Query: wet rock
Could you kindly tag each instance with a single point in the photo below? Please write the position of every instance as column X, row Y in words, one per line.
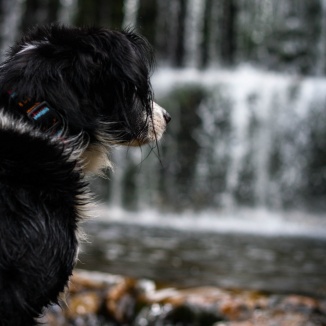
column 121, row 300
column 168, row 314
column 300, row 303
column 106, row 300
column 84, row 303
column 83, row 280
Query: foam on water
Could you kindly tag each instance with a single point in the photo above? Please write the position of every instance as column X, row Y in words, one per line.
column 246, row 221
column 246, row 76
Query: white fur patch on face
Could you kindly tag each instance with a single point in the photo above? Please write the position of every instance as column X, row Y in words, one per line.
column 158, row 123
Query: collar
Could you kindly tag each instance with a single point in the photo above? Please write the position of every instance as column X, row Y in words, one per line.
column 41, row 114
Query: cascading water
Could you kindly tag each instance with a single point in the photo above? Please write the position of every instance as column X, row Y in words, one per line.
column 130, row 13
column 253, row 142
column 242, row 136
column 321, row 63
column 12, row 12
column 193, row 32
column 67, row 10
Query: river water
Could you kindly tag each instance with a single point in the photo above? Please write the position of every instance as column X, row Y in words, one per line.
column 241, row 252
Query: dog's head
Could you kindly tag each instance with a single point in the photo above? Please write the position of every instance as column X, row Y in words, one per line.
column 96, row 80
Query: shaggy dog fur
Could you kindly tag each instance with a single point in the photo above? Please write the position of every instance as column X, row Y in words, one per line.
column 67, row 95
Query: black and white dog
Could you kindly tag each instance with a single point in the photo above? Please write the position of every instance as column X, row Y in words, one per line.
column 67, row 96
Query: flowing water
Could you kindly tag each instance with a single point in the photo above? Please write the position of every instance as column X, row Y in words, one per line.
column 239, row 138
column 185, row 252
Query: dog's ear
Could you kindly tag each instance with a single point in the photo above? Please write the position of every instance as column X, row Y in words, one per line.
column 39, row 67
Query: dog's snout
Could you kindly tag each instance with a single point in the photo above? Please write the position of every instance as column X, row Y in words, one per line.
column 159, row 122
column 166, row 116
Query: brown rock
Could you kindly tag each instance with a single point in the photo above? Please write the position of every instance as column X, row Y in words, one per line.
column 121, row 300
column 297, row 302
column 82, row 280
column 83, row 304
column 128, row 300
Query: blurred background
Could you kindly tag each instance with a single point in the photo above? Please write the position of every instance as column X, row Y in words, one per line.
column 235, row 194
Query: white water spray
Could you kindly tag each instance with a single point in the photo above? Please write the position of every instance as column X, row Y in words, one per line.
column 193, row 32
column 12, row 13
column 130, row 13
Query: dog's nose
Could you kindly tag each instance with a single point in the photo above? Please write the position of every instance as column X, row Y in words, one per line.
column 167, row 117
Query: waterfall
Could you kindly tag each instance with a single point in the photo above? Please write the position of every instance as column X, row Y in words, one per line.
column 130, row 13
column 193, row 32
column 213, row 57
column 67, row 10
column 255, row 139
column 321, row 64
column 11, row 17
column 166, row 26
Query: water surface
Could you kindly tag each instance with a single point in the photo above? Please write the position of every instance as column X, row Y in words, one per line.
column 172, row 256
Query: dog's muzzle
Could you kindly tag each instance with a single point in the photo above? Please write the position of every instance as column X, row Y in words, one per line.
column 160, row 120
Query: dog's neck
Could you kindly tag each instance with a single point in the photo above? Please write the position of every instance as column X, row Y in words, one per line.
column 42, row 115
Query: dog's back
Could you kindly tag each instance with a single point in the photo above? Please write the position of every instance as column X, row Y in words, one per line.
column 39, row 196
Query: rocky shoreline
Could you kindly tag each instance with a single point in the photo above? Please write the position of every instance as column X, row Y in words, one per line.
column 99, row 299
